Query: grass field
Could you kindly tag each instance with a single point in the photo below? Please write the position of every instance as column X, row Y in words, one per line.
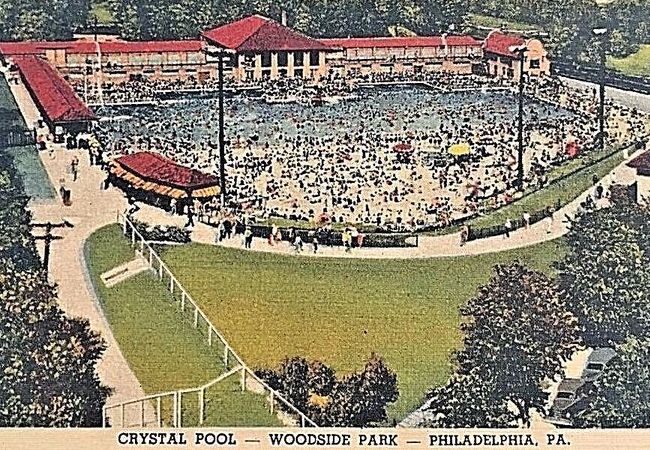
column 559, row 193
column 636, row 64
column 162, row 348
column 340, row 310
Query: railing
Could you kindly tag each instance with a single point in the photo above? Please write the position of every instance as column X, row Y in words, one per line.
column 249, row 380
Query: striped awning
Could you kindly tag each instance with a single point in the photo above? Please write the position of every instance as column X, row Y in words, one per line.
column 168, row 191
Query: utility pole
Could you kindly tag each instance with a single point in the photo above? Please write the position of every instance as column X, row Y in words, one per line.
column 49, row 238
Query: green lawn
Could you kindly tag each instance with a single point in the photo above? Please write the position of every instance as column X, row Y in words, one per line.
column 340, row 310
column 636, row 64
column 161, row 346
column 561, row 192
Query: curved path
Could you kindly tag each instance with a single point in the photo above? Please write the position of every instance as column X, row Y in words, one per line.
column 92, row 208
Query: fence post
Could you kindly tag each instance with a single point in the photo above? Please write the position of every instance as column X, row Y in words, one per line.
column 104, row 417
column 159, row 411
column 225, row 357
column 183, row 301
column 196, row 317
column 180, row 409
column 302, row 421
column 171, row 285
column 160, row 270
column 151, row 257
column 175, row 409
column 272, row 400
column 210, row 335
column 133, row 236
column 122, row 415
column 243, row 379
column 201, row 405
column 124, row 225
column 142, row 413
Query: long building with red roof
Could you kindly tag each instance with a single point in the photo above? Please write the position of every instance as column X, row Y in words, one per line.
column 363, row 56
column 503, row 62
column 264, row 48
column 55, row 99
column 120, row 60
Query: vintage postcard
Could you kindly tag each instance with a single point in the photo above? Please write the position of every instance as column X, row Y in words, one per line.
column 324, row 224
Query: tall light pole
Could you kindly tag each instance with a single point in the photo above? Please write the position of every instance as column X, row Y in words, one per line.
column 222, row 139
column 601, row 34
column 521, row 52
column 220, row 53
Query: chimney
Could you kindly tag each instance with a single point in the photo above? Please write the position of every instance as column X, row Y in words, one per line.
column 284, row 18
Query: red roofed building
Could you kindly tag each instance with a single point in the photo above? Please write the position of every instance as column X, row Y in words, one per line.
column 55, row 99
column 362, row 56
column 155, row 176
column 502, row 62
column 120, row 60
column 264, row 48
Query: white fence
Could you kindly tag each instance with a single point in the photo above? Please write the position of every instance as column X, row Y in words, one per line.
column 171, row 403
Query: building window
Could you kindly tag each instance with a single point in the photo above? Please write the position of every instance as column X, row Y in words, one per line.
column 283, row 59
column 534, row 63
column 313, row 58
column 298, row 58
column 266, row 59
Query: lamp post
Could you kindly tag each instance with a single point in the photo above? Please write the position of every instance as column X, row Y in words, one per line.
column 601, row 34
column 521, row 52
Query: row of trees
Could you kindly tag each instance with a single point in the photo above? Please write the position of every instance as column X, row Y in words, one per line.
column 570, row 24
column 356, row 400
column 47, row 360
column 523, row 325
column 163, row 19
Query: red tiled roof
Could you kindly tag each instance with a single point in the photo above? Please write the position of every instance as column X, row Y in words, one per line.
column 39, row 47
column 151, row 46
column 500, row 43
column 402, row 42
column 157, row 168
column 90, row 47
column 257, row 33
column 57, row 100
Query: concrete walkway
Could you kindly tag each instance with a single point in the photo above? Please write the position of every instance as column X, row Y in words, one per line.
column 91, row 209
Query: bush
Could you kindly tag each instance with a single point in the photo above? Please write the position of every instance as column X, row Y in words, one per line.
column 162, row 233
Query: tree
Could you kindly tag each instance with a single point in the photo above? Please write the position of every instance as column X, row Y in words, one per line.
column 518, row 332
column 357, row 400
column 360, row 399
column 466, row 402
column 620, row 397
column 606, row 271
column 47, row 359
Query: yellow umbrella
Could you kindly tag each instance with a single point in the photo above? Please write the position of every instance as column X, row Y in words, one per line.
column 459, row 149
